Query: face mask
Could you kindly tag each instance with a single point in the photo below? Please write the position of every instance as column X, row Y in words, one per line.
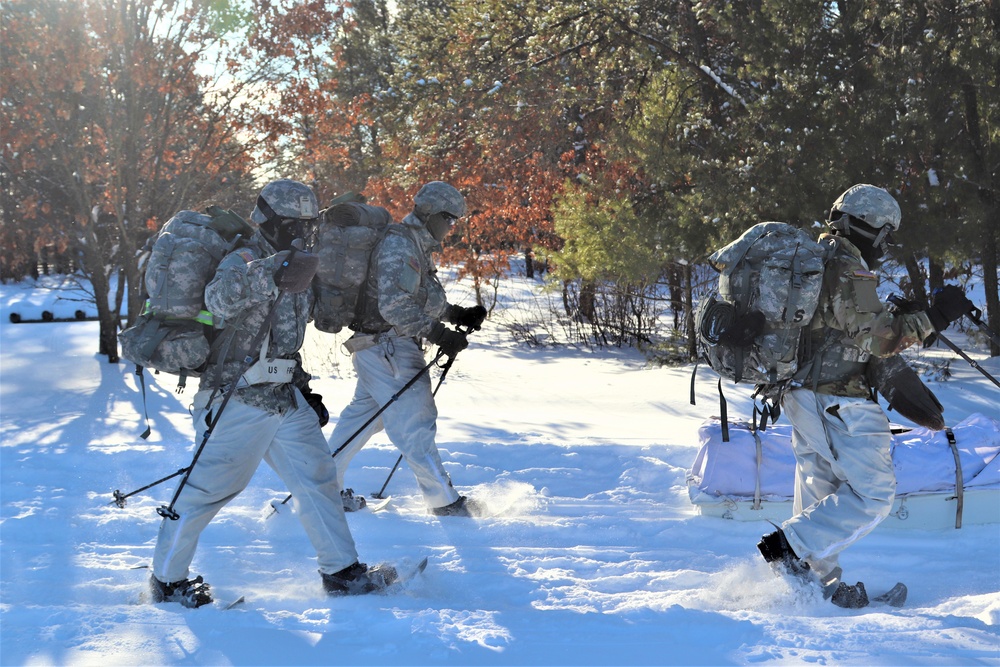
column 440, row 224
column 871, row 254
column 872, row 243
column 281, row 233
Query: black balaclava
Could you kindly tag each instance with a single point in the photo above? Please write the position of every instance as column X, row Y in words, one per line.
column 439, row 225
column 872, row 243
column 280, row 232
column 863, row 236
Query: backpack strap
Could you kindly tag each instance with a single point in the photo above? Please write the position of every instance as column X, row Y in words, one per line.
column 219, row 351
column 694, row 373
column 145, row 413
column 363, row 306
column 723, row 405
column 810, row 370
column 723, row 413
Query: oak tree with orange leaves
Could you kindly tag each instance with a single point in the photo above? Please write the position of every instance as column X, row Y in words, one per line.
column 111, row 126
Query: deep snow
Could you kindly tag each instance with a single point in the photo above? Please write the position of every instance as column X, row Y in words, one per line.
column 597, row 558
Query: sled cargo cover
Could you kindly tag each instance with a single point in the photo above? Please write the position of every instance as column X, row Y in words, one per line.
column 752, row 476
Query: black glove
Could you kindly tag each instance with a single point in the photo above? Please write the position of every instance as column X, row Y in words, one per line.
column 905, row 392
column 906, row 306
column 467, row 317
column 950, row 303
column 449, row 341
column 315, row 402
column 295, row 270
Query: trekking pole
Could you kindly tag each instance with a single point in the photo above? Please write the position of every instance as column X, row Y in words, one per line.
column 444, row 372
column 121, row 497
column 392, row 400
column 167, row 511
column 976, row 316
column 410, row 383
column 957, row 350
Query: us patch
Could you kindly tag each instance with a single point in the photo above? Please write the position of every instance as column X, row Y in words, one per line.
column 246, row 255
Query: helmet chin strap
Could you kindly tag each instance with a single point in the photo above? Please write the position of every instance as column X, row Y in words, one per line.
column 879, row 241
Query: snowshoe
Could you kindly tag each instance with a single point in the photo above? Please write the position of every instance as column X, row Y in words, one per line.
column 850, row 597
column 191, row 593
column 894, row 597
column 359, row 579
column 462, row 507
column 776, row 550
column 352, row 503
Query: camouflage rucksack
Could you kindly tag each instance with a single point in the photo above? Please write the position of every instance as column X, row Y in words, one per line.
column 750, row 328
column 345, row 235
column 172, row 333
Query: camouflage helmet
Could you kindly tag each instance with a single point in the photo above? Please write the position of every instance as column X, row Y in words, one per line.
column 873, row 206
column 437, row 197
column 285, row 198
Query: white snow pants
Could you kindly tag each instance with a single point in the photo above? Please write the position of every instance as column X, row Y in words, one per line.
column 293, row 445
column 844, row 480
column 410, row 422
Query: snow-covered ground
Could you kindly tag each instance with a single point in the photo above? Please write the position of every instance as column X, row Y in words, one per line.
column 597, row 557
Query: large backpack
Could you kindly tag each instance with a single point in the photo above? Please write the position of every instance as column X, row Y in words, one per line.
column 345, row 235
column 751, row 326
column 172, row 333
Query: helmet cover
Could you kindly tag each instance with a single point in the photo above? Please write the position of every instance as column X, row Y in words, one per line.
column 283, row 199
column 437, row 197
column 872, row 205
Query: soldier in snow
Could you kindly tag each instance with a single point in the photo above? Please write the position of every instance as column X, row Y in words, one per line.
column 272, row 415
column 844, row 478
column 401, row 305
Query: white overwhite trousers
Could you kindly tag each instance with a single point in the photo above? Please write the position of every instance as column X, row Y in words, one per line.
column 293, row 445
column 410, row 421
column 844, row 480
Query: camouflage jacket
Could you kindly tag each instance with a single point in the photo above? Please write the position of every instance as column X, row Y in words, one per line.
column 402, row 291
column 241, row 294
column 851, row 325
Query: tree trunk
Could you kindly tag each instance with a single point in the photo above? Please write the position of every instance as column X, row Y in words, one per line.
column 676, row 294
column 991, row 279
column 108, row 337
column 588, row 301
column 935, row 276
column 918, row 289
column 692, row 335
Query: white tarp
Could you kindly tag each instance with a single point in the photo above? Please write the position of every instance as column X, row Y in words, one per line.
column 760, row 468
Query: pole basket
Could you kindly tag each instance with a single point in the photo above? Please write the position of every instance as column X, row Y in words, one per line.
column 167, row 513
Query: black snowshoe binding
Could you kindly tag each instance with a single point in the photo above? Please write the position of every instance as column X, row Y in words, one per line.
column 359, row 579
column 191, row 593
column 778, row 552
column 462, row 507
column 850, row 597
column 352, row 503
